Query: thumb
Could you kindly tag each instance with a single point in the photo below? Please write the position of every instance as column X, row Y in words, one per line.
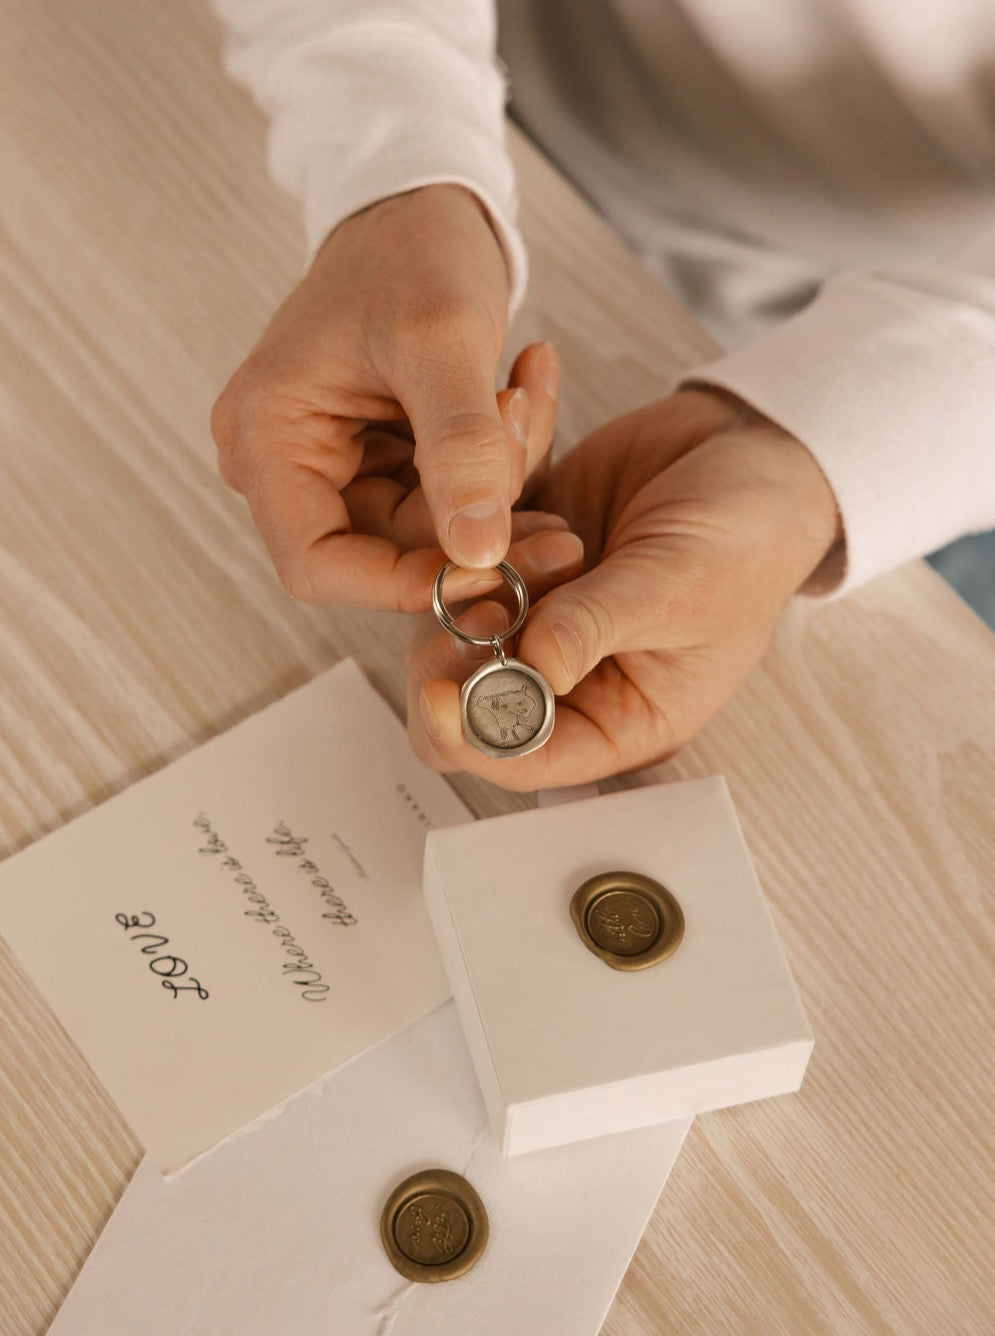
column 467, row 460
column 619, row 605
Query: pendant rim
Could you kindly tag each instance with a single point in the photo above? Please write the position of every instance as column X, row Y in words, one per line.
column 521, row 749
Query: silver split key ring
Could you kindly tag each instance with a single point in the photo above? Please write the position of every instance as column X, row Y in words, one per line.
column 507, row 708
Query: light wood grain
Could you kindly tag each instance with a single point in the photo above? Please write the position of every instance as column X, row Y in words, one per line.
column 142, row 248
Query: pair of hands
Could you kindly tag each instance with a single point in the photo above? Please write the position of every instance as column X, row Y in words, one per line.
column 365, row 432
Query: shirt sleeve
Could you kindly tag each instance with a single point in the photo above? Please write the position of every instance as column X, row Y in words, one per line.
column 368, row 98
column 888, row 377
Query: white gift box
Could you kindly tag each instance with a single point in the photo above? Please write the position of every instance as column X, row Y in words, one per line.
column 566, row 1047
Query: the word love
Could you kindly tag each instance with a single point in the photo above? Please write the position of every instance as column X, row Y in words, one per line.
column 165, row 965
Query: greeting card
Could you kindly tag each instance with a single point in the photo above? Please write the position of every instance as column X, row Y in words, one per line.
column 225, row 932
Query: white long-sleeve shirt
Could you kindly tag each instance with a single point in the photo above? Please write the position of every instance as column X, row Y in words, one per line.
column 817, row 180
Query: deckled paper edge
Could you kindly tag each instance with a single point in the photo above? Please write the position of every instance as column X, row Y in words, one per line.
column 312, row 1090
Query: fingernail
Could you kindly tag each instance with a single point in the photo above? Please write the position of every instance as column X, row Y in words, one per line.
column 555, row 552
column 479, row 534
column 462, row 583
column 548, row 370
column 520, row 414
column 526, row 522
column 568, row 643
column 484, row 619
column 428, row 716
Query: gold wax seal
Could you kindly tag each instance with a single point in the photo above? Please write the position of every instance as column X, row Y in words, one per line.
column 629, row 920
column 434, row 1226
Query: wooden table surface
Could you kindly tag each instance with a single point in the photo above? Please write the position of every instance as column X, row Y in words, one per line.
column 142, row 248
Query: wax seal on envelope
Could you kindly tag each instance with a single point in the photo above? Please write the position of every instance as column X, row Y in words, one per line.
column 434, row 1226
column 507, row 707
column 630, row 921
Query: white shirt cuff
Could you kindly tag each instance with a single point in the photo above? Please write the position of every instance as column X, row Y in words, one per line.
column 892, row 388
column 367, row 110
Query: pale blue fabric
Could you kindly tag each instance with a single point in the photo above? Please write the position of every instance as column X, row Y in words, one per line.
column 969, row 565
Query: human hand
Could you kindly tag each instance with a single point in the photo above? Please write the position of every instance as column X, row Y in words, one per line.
column 364, row 429
column 699, row 519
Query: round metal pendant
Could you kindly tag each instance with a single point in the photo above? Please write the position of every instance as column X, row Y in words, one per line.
column 628, row 920
column 434, row 1226
column 507, row 708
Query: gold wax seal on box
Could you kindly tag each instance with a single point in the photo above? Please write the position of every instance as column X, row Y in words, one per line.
column 434, row 1226
column 627, row 919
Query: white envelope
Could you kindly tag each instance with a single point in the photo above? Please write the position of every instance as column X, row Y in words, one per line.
column 277, row 1231
column 222, row 934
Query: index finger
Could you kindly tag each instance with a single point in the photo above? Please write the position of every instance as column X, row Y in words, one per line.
column 305, row 525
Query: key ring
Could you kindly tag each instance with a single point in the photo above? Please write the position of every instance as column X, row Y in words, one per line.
column 446, row 617
column 506, row 707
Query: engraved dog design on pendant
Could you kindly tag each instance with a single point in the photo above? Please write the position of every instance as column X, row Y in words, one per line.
column 511, row 711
